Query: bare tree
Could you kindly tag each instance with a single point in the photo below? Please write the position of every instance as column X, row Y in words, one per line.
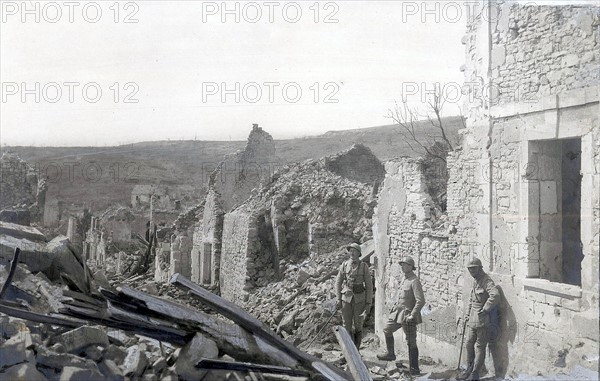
column 435, row 144
column 432, row 144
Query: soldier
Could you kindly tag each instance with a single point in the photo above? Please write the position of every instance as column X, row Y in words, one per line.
column 354, row 292
column 482, row 317
column 405, row 313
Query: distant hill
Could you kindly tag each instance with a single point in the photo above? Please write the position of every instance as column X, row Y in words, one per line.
column 99, row 177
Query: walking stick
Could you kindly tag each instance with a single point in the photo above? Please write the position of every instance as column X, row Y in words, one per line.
column 321, row 330
column 462, row 340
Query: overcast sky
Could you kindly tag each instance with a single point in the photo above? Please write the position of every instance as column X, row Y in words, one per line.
column 174, row 70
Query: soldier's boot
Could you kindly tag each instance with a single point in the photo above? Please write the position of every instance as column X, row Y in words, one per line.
column 467, row 373
column 389, row 355
column 357, row 339
column 413, row 360
column 478, row 364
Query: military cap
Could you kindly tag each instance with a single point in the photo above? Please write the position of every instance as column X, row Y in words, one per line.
column 353, row 246
column 475, row 262
column 408, row 260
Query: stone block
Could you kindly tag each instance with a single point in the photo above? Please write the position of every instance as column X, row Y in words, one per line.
column 110, row 370
column 573, row 304
column 570, row 60
column 135, row 362
column 12, row 353
column 70, row 373
column 80, row 338
column 22, row 372
column 498, row 56
column 198, row 348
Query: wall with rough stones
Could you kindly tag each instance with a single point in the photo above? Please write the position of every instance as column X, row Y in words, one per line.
column 542, row 50
column 239, row 173
column 357, row 164
column 406, row 222
column 230, row 185
column 305, row 210
column 506, row 193
column 19, row 182
column 196, row 253
column 239, row 235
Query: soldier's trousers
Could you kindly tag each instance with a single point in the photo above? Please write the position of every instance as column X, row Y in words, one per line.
column 353, row 315
column 477, row 341
column 410, row 331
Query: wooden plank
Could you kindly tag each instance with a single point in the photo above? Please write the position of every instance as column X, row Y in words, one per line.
column 82, row 297
column 153, row 332
column 357, row 366
column 11, row 272
column 244, row 367
column 252, row 324
column 232, row 339
column 39, row 318
column 116, row 313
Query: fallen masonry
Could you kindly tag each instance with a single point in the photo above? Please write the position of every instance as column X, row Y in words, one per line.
column 118, row 332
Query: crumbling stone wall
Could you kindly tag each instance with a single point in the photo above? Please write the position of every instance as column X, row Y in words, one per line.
column 180, row 259
column 305, row 210
column 210, row 249
column 407, row 222
column 239, row 173
column 19, row 182
column 357, row 164
column 23, row 195
column 195, row 254
column 229, row 185
column 505, row 193
column 239, row 235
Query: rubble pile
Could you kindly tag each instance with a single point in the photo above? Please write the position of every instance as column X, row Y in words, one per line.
column 78, row 326
column 300, row 305
column 338, row 209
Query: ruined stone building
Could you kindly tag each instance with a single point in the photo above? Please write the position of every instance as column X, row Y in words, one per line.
column 230, row 184
column 311, row 208
column 23, row 193
column 258, row 215
column 523, row 194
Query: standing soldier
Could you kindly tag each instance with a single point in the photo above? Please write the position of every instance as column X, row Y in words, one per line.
column 354, row 292
column 405, row 313
column 483, row 300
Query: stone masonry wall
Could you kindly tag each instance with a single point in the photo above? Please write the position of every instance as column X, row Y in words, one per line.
column 407, row 223
column 19, row 182
column 544, row 70
column 239, row 236
column 541, row 50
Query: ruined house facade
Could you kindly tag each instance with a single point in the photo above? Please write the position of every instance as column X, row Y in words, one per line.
column 308, row 209
column 230, row 184
column 523, row 193
column 23, row 196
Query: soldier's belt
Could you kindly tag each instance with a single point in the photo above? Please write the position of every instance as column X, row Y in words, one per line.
column 358, row 288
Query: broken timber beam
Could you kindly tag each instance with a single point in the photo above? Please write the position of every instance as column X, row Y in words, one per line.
column 232, row 339
column 11, row 273
column 252, row 324
column 357, row 366
column 40, row 318
column 246, row 367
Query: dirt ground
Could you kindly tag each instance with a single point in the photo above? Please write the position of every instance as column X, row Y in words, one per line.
column 398, row 370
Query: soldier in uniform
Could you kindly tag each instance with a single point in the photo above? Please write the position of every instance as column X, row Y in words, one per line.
column 354, row 289
column 405, row 313
column 482, row 319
